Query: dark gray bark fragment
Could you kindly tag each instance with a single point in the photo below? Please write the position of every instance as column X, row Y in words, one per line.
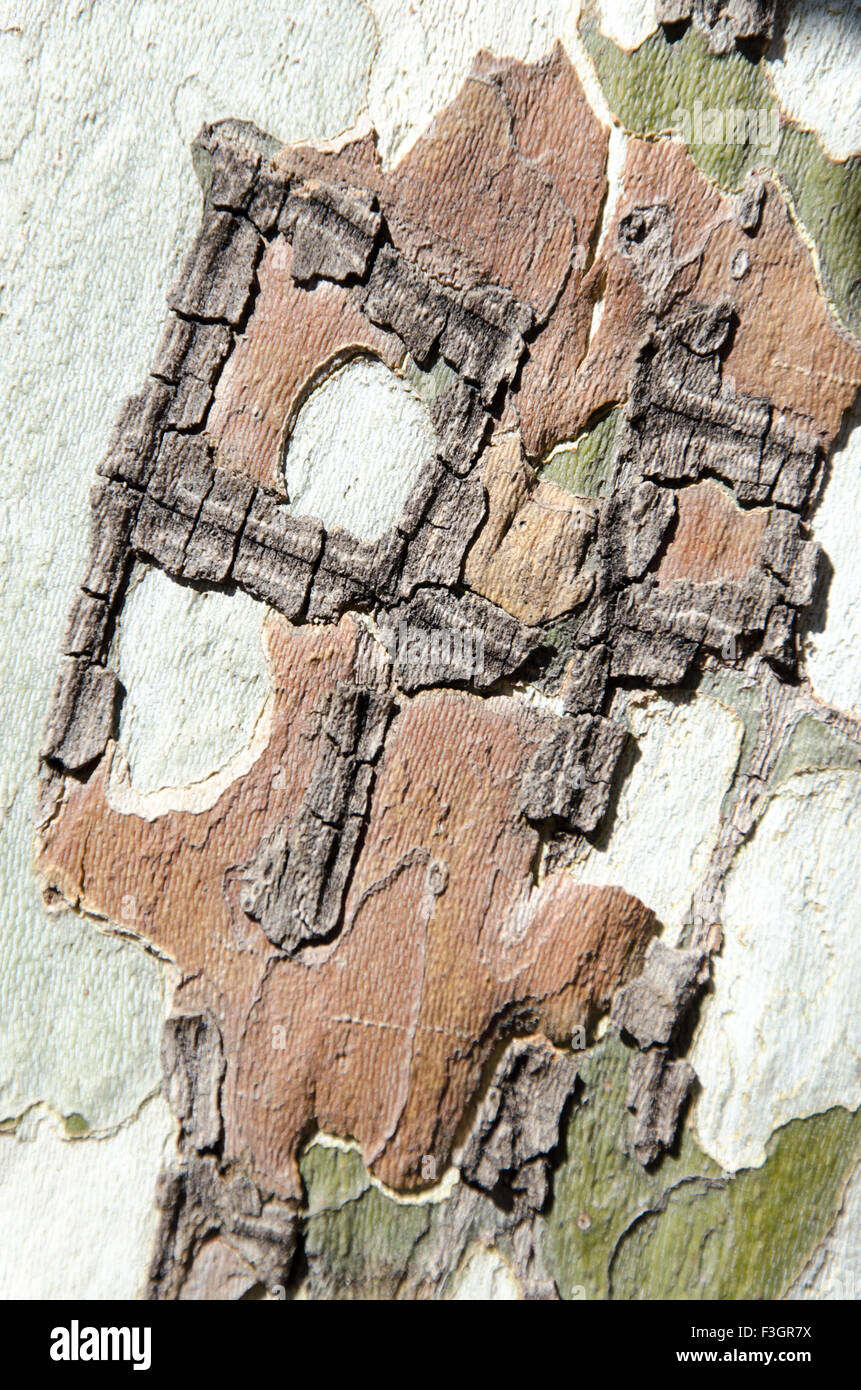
column 651, row 1007
column 440, row 638
column 296, row 882
column 198, row 1203
column 217, row 276
column 130, row 457
column 779, row 644
column 660, row 627
column 686, row 423
column 658, row 1086
column 348, row 572
column 658, row 658
column 571, row 772
column 454, row 513
column 722, row 21
column 234, row 161
column 461, row 423
column 517, row 1125
column 192, row 1056
column 479, row 333
column 211, row 548
column 190, row 357
column 400, row 297
column 483, row 337
column 82, row 714
column 748, row 208
column 795, row 561
column 87, row 627
column 631, row 526
column 191, row 349
column 333, row 229
column 183, row 476
column 267, row 200
column 232, row 173
column 586, row 680
column 113, row 509
column 421, row 495
column 277, row 554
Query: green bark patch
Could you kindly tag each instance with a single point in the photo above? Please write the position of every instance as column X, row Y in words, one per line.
column 814, row 746
column 751, row 1239
column 648, row 88
column 599, row 1189
column 358, row 1242
column 362, row 1249
column 685, row 1229
column 827, row 199
column 332, row 1177
column 430, row 382
column 361, row 1243
column 584, row 466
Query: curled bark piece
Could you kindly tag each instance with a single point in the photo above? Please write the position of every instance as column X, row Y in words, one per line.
column 571, row 774
column 192, row 1056
column 182, row 478
column 196, row 1203
column 454, row 509
column 633, row 524
column 686, row 423
column 460, row 422
column 651, row 1007
column 136, row 437
column 722, row 21
column 748, row 208
column 82, row 714
column 517, row 1124
column 439, row 638
column 333, row 230
column 295, row 884
column 658, row 1087
column 276, row 555
column 212, row 545
column 400, row 297
column 216, row 277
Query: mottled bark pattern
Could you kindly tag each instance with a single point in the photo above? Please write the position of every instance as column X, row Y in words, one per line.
column 371, row 937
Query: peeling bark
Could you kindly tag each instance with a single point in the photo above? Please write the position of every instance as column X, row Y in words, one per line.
column 724, row 22
column 364, row 919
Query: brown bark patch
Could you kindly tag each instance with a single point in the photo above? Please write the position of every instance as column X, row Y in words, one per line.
column 528, row 556
column 293, row 335
column 714, row 538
